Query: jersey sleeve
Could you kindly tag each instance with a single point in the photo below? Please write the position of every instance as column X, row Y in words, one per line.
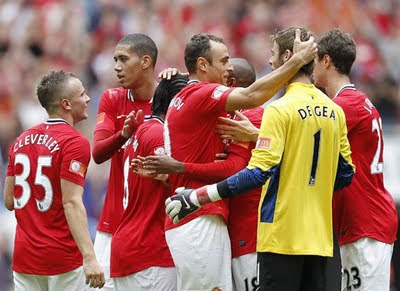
column 75, row 160
column 211, row 98
column 10, row 166
column 216, row 171
column 105, row 114
column 351, row 112
column 271, row 141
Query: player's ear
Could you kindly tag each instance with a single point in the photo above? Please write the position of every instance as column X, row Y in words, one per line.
column 287, row 55
column 146, row 62
column 66, row 104
column 231, row 82
column 202, row 64
column 327, row 60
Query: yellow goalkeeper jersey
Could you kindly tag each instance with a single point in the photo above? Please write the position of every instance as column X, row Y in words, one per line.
column 303, row 138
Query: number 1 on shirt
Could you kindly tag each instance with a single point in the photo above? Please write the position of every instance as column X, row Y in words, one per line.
column 317, row 137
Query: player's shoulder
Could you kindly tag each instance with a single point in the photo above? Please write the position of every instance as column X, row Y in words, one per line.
column 115, row 93
column 152, row 126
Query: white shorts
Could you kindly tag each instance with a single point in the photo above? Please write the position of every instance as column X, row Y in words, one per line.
column 366, row 265
column 71, row 281
column 102, row 249
column 201, row 252
column 150, row 279
column 244, row 272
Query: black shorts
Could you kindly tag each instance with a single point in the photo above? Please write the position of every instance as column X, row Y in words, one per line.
column 291, row 272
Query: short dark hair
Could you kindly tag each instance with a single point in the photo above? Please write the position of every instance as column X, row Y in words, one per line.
column 199, row 46
column 165, row 91
column 243, row 72
column 142, row 45
column 52, row 88
column 340, row 47
column 285, row 38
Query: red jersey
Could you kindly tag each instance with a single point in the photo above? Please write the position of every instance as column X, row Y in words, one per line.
column 38, row 159
column 190, row 137
column 139, row 241
column 243, row 209
column 115, row 105
column 365, row 208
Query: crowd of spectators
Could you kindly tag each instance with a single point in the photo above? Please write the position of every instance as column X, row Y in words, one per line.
column 80, row 36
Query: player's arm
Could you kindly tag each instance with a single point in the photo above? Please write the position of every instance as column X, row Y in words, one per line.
column 264, row 163
column 9, row 192
column 208, row 172
column 75, row 214
column 106, row 143
column 266, row 87
column 346, row 168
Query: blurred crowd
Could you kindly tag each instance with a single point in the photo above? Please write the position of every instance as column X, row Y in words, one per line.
column 80, row 36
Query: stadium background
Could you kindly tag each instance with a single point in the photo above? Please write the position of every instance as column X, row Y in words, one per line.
column 80, row 36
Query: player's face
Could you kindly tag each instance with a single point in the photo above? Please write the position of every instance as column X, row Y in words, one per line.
column 319, row 73
column 78, row 101
column 275, row 60
column 218, row 71
column 128, row 66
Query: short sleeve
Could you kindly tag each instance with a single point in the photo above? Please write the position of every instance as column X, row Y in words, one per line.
column 10, row 166
column 75, row 160
column 211, row 97
column 105, row 114
column 271, row 140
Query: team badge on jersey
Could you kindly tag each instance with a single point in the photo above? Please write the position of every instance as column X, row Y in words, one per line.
column 159, row 151
column 77, row 167
column 100, row 118
column 218, row 91
column 263, row 143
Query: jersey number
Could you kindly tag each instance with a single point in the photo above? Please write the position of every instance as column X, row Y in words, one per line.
column 126, row 188
column 40, row 179
column 317, row 138
column 376, row 166
column 355, row 274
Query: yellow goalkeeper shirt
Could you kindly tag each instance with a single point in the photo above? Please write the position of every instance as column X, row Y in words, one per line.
column 302, row 136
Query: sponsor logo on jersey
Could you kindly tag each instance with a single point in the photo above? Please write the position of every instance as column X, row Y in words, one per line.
column 100, row 117
column 263, row 143
column 78, row 168
column 219, row 91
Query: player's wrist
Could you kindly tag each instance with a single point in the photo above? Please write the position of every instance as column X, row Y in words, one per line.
column 206, row 194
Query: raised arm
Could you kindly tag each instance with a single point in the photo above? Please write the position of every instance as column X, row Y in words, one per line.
column 266, row 87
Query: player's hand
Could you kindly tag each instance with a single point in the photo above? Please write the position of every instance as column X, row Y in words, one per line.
column 305, row 50
column 220, row 157
column 181, row 204
column 167, row 74
column 132, row 122
column 162, row 164
column 94, row 273
column 137, row 167
column 238, row 130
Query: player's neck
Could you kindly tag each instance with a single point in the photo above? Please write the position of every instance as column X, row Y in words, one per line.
column 145, row 90
column 66, row 117
column 336, row 82
column 300, row 78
